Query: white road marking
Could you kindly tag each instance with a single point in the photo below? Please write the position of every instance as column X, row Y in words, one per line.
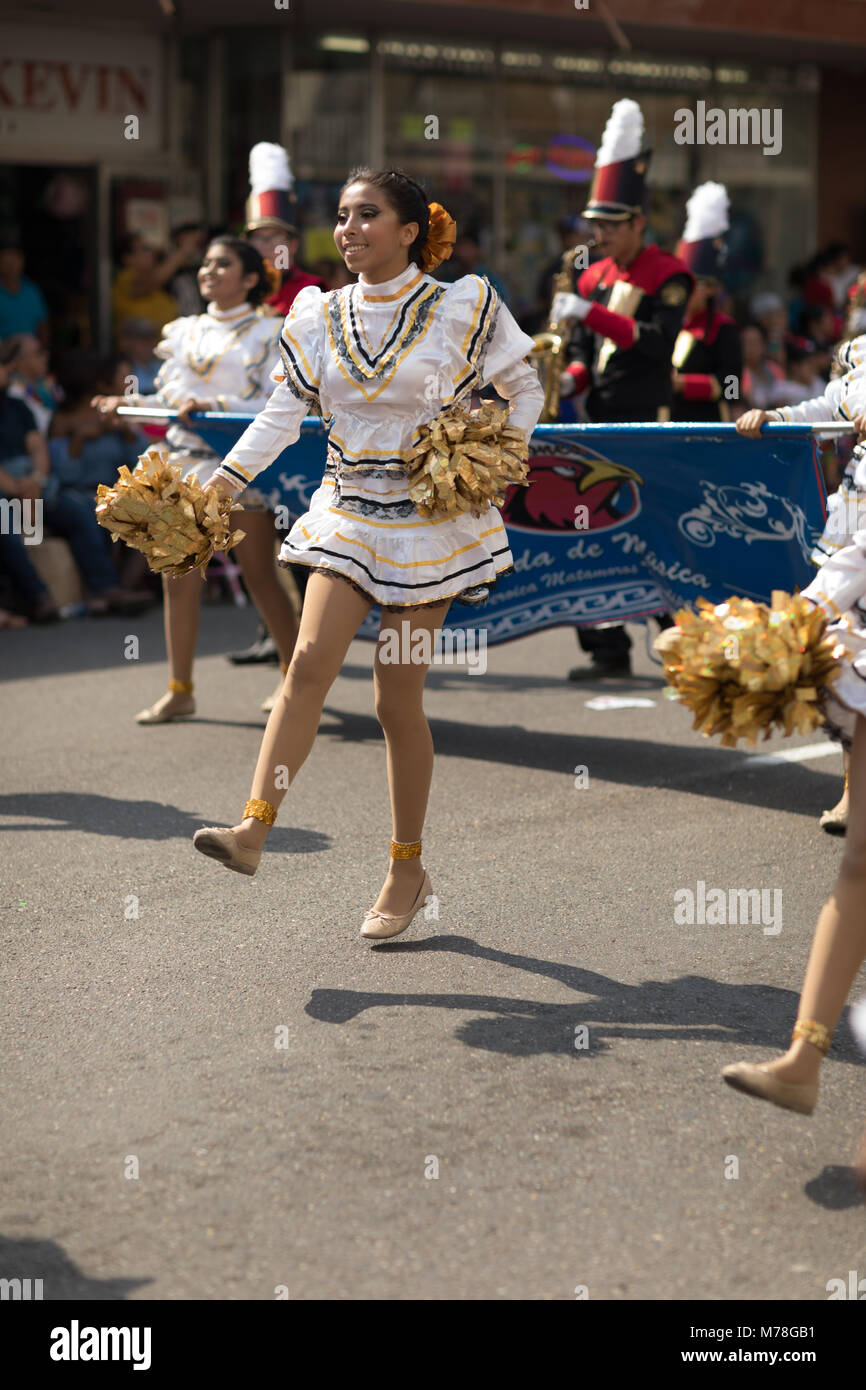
column 793, row 755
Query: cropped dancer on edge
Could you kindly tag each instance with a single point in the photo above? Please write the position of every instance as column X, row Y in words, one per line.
column 839, row 944
column 381, row 358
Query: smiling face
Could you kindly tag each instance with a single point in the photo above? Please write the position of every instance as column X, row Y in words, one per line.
column 369, row 234
column 221, row 277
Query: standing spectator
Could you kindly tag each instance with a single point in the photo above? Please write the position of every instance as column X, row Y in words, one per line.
column 22, row 304
column 761, row 375
column 137, row 340
column 803, row 380
column 191, row 239
column 466, row 260
column 30, row 381
column 139, row 286
column 823, row 327
column 769, row 311
column 573, row 231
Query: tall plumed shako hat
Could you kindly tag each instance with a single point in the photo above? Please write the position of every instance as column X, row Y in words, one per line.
column 703, row 245
column 271, row 184
column 618, row 188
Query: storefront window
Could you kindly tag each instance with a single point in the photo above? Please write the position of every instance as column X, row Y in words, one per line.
column 327, row 129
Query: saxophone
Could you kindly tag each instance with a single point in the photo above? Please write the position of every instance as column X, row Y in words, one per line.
column 551, row 344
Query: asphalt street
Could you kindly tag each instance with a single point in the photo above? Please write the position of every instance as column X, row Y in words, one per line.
column 214, row 1089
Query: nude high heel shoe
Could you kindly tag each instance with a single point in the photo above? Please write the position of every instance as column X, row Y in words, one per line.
column 378, row 926
column 221, row 843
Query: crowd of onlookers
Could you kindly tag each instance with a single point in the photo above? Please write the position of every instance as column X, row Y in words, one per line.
column 55, row 447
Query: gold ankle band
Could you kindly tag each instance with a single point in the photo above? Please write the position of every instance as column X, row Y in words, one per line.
column 284, row 669
column 180, row 687
column 812, row 1032
column 400, row 851
column 260, row 810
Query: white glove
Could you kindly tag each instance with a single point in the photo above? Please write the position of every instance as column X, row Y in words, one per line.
column 567, row 385
column 569, row 306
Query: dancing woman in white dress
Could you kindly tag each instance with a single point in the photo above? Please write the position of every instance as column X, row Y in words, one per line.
column 380, row 358
column 220, row 360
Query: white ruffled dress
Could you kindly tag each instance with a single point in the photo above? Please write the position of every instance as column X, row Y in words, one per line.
column 223, row 356
column 378, row 362
column 839, row 587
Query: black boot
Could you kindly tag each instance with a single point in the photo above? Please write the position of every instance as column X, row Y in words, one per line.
column 264, row 649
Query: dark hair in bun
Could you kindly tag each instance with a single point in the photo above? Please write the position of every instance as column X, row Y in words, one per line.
column 404, row 195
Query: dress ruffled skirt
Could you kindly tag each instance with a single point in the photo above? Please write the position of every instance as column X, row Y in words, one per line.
column 366, row 529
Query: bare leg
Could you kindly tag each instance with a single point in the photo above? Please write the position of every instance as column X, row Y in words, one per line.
column 333, row 611
column 841, row 807
column 258, row 563
column 839, row 944
column 399, row 690
column 182, row 610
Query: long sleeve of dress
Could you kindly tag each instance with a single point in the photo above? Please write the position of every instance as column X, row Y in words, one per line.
column 502, row 356
column 275, row 427
column 297, row 378
column 824, row 407
column 841, row 580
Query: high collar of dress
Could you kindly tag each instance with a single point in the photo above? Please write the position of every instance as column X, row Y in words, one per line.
column 240, row 311
column 391, row 289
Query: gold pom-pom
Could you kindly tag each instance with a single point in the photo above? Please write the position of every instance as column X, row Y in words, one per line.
column 744, row 669
column 176, row 524
column 466, row 460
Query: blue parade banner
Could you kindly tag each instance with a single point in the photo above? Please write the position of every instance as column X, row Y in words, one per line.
column 619, row 521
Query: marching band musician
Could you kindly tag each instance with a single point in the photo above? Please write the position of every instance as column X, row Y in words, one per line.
column 707, row 356
column 627, row 312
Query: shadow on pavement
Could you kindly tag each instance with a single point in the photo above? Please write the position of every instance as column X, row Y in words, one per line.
column 689, row 1007
column 702, row 769
column 62, row 1279
column 135, row 820
column 835, row 1188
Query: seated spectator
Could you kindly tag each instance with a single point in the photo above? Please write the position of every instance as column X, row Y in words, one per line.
column 761, row 375
column 30, row 381
column 139, row 286
column 22, row 303
column 137, row 340
column 25, row 475
column 85, row 448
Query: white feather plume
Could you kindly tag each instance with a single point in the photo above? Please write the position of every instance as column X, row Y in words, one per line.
column 623, row 134
column 269, row 168
column 707, row 212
